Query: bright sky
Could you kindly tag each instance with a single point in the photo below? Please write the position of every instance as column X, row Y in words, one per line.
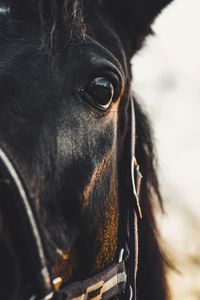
column 167, row 80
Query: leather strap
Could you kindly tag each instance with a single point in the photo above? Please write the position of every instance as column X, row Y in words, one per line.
column 27, row 218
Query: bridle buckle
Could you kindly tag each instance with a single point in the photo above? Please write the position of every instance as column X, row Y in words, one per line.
column 95, row 291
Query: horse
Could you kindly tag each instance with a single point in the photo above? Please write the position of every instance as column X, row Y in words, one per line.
column 77, row 221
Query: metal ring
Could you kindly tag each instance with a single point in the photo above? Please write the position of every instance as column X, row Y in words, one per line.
column 33, row 297
column 121, row 254
column 130, row 292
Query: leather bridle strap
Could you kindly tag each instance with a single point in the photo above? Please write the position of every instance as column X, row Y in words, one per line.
column 105, row 285
column 26, row 216
column 134, row 208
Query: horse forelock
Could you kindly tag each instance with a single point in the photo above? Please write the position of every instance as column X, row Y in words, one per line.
column 61, row 21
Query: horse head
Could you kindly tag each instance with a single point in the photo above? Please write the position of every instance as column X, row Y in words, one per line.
column 71, row 127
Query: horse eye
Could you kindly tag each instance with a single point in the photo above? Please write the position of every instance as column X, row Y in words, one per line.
column 99, row 92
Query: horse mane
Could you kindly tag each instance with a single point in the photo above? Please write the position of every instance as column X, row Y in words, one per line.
column 151, row 280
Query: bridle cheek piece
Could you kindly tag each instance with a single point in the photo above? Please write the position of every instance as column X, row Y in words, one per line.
column 118, row 279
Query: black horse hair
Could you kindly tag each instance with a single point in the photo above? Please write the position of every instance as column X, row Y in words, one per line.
column 57, row 14
column 72, row 12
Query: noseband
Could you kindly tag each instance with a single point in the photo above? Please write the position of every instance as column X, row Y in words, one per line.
column 117, row 280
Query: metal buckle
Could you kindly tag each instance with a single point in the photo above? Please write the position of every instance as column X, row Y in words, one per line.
column 90, row 292
column 57, row 282
column 121, row 255
column 49, row 296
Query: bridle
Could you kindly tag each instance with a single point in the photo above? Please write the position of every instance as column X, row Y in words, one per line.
column 117, row 280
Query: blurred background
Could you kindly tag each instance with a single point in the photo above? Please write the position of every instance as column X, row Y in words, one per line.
column 167, row 82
